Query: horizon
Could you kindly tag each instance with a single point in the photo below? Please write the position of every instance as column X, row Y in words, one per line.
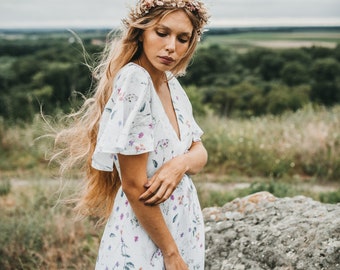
column 208, row 29
column 16, row 14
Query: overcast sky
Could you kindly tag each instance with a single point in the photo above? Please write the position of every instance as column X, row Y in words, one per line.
column 108, row 13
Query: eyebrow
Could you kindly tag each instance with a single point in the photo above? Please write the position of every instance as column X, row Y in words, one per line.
column 169, row 29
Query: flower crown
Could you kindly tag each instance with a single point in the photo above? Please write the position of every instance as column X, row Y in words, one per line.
column 196, row 7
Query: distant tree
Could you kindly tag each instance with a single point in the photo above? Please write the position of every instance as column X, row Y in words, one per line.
column 300, row 96
column 294, row 73
column 208, row 64
column 252, row 58
column 196, row 97
column 337, row 52
column 296, row 55
column 282, row 98
column 317, row 52
column 326, row 69
column 326, row 81
column 278, row 99
column 25, row 67
column 270, row 66
column 242, row 99
column 7, row 74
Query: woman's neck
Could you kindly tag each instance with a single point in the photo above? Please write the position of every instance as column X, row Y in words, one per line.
column 159, row 78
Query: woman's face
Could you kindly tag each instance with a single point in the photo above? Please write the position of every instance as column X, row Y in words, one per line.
column 166, row 43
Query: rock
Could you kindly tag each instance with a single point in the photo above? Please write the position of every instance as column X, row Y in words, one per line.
column 261, row 231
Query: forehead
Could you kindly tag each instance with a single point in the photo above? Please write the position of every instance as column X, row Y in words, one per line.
column 177, row 21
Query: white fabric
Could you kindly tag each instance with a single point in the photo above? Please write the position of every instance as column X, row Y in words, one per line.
column 134, row 122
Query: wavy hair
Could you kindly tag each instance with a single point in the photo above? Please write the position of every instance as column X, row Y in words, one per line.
column 75, row 143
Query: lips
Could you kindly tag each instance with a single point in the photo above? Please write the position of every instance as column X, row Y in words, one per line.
column 166, row 60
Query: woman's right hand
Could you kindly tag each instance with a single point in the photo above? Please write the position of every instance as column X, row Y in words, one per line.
column 174, row 262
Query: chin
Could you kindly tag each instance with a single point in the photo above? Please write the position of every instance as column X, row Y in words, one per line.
column 164, row 68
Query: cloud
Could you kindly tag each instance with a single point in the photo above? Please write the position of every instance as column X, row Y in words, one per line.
column 108, row 13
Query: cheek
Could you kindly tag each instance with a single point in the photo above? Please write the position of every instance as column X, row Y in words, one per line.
column 152, row 40
column 182, row 49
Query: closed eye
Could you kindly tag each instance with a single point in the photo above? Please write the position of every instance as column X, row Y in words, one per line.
column 161, row 34
column 183, row 40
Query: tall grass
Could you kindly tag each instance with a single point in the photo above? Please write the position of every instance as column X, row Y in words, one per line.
column 304, row 143
column 21, row 150
column 35, row 233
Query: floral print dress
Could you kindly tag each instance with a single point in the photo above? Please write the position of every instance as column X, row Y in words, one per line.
column 134, row 122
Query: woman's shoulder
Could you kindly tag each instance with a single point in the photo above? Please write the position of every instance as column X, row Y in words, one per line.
column 175, row 85
column 134, row 71
column 131, row 79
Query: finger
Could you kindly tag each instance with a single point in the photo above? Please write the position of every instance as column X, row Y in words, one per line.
column 157, row 197
column 146, row 195
column 149, row 182
column 164, row 198
column 151, row 191
column 166, row 191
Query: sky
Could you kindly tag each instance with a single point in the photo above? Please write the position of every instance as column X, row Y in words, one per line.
column 224, row 13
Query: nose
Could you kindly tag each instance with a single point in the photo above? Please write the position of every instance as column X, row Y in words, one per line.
column 171, row 44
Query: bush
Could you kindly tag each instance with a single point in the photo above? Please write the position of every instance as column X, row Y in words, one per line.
column 330, row 197
column 302, row 143
column 5, row 187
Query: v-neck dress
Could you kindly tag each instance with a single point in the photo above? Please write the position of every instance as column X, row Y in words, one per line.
column 135, row 122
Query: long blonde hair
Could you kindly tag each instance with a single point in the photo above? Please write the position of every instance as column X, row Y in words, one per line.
column 75, row 144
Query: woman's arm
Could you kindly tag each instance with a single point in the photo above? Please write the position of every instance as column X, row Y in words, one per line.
column 196, row 158
column 166, row 179
column 133, row 172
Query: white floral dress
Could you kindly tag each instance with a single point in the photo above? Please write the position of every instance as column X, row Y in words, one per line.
column 134, row 122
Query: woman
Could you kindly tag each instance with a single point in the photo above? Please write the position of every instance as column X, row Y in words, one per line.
column 141, row 142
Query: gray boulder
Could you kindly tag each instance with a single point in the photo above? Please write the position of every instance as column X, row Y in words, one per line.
column 261, row 231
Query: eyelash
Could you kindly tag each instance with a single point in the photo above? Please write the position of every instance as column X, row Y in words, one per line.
column 161, row 34
column 181, row 40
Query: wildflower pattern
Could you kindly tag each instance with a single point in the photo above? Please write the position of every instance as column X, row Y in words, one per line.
column 134, row 122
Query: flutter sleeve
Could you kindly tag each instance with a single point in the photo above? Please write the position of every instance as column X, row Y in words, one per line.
column 126, row 125
column 197, row 132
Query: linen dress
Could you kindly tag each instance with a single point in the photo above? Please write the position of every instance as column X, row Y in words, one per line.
column 134, row 122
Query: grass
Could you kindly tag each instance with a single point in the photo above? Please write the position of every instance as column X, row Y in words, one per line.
column 287, row 155
column 218, row 195
column 304, row 143
column 37, row 233
column 21, row 152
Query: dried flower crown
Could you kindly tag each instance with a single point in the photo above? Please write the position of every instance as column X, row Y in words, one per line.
column 143, row 7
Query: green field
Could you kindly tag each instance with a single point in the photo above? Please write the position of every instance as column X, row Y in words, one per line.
column 281, row 39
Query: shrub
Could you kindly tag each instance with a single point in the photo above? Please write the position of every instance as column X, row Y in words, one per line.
column 303, row 143
column 330, row 197
column 5, row 187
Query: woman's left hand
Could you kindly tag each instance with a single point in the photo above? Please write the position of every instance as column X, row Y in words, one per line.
column 161, row 185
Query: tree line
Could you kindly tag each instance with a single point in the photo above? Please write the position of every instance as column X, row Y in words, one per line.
column 263, row 81
column 48, row 72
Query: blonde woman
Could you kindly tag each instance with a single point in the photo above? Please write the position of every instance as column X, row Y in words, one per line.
column 139, row 142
